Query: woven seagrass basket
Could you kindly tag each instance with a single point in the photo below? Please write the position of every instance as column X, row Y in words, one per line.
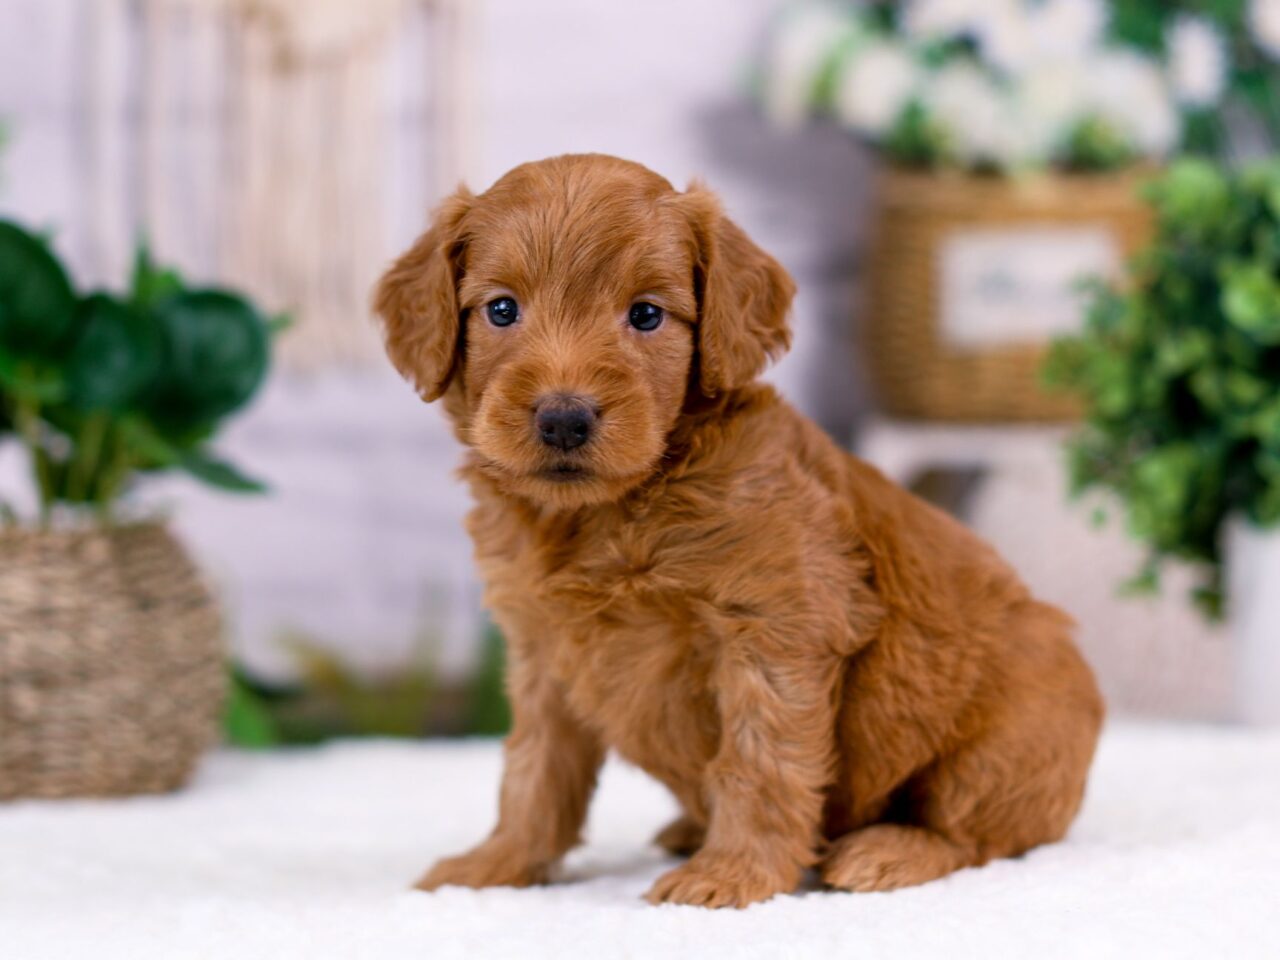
column 111, row 665
column 921, row 373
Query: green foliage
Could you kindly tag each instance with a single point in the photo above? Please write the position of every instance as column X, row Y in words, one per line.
column 489, row 711
column 117, row 356
column 1252, row 77
column 391, row 706
column 1155, row 77
column 332, row 700
column 217, row 353
column 103, row 387
column 246, row 720
column 1179, row 371
column 37, row 305
column 915, row 140
column 1096, row 145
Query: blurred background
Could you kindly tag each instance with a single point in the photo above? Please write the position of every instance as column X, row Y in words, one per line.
column 939, row 176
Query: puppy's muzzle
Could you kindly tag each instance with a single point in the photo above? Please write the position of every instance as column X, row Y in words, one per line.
column 565, row 422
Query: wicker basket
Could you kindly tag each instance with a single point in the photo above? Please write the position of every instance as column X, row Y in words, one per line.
column 919, row 371
column 111, row 665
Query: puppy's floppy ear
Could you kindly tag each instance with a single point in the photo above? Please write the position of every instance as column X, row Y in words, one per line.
column 417, row 301
column 744, row 296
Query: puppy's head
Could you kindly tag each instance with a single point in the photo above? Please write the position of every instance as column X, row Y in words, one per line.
column 565, row 314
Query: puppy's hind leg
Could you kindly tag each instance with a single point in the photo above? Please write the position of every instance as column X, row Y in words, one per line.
column 888, row 856
column 1016, row 784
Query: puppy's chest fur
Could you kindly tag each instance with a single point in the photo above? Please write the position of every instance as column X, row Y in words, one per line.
column 634, row 608
column 628, row 607
column 612, row 608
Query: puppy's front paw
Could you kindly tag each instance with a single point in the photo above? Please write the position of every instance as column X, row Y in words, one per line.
column 488, row 865
column 716, row 880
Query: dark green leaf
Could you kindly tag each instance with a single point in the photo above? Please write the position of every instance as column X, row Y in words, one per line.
column 217, row 349
column 117, row 357
column 219, row 473
column 37, row 304
column 246, row 720
column 152, row 284
column 34, row 380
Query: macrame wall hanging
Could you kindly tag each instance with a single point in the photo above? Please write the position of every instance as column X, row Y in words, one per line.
column 283, row 146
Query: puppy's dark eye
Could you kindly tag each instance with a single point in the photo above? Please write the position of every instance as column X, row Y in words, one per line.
column 502, row 312
column 645, row 316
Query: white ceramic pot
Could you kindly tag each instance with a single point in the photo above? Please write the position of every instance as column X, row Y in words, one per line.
column 1253, row 597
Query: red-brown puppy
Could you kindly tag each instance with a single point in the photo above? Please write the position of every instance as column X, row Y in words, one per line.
column 822, row 668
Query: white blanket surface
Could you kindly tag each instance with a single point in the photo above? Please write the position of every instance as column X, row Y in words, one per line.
column 309, row 854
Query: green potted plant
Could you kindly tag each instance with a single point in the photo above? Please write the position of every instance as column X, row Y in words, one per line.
column 1179, row 371
column 111, row 663
column 1013, row 134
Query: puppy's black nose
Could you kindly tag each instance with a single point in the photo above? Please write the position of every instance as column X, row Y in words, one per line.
column 564, row 422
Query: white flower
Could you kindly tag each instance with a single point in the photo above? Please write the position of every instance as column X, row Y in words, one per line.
column 805, row 40
column 1197, row 61
column 1264, row 21
column 934, row 19
column 875, row 85
column 1128, row 91
column 1007, row 41
column 928, row 20
column 976, row 115
column 1020, row 37
column 1068, row 29
column 1051, row 100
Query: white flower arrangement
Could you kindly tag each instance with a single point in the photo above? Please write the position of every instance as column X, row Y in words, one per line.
column 980, row 126
column 803, row 43
column 1197, row 61
column 1010, row 84
column 1128, row 91
column 876, row 86
column 1264, row 23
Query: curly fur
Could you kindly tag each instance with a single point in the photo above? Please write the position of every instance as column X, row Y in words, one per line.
column 826, row 671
